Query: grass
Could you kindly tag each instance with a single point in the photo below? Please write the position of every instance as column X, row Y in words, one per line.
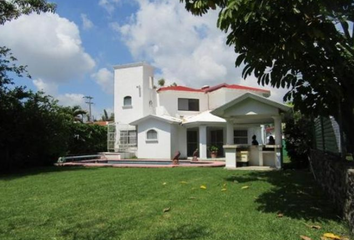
column 108, row 203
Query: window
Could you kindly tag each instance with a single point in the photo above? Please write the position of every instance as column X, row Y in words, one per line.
column 128, row 138
column 185, row 104
column 127, row 101
column 151, row 136
column 240, row 137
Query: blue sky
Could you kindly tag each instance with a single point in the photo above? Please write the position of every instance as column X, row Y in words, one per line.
column 71, row 53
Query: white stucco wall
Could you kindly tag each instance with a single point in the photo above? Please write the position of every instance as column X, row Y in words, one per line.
column 251, row 107
column 224, row 95
column 133, row 80
column 168, row 100
column 154, row 150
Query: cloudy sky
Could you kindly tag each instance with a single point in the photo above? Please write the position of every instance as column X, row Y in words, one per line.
column 71, row 54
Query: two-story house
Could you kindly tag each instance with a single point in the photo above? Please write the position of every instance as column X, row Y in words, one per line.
column 155, row 122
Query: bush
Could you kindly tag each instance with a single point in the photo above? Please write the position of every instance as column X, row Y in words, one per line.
column 298, row 138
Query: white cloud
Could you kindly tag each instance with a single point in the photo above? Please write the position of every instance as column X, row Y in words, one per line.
column 47, row 87
column 49, row 44
column 104, row 78
column 188, row 50
column 108, row 5
column 86, row 23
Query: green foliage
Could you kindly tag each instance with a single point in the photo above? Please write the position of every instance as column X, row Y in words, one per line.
column 298, row 138
column 12, row 9
column 105, row 116
column 307, row 46
column 34, row 129
column 87, row 139
column 161, row 82
column 214, row 148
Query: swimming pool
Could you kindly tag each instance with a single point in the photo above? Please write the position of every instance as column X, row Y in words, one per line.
column 142, row 163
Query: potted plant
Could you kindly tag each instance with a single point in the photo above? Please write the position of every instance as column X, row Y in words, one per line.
column 214, row 151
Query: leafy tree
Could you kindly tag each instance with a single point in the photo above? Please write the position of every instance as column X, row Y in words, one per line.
column 87, row 139
column 298, row 138
column 161, row 82
column 75, row 112
column 307, row 46
column 11, row 9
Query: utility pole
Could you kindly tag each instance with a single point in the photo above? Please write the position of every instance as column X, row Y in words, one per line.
column 89, row 102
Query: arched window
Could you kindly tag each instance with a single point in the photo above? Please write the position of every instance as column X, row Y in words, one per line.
column 127, row 101
column 151, row 135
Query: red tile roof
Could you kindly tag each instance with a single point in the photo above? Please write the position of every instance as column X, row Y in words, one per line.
column 179, row 88
column 211, row 89
column 234, row 86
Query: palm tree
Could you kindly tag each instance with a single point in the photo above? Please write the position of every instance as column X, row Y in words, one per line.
column 76, row 113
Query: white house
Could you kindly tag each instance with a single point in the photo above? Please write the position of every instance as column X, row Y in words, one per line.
column 154, row 123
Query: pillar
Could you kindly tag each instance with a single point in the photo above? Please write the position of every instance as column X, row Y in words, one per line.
column 202, row 142
column 278, row 141
column 277, row 130
column 229, row 132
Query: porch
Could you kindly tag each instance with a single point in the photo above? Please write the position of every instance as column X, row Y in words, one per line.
column 230, row 127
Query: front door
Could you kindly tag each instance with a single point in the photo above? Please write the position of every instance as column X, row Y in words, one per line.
column 192, row 141
column 217, row 139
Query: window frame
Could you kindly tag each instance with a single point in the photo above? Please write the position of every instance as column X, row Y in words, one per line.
column 190, row 104
column 243, row 137
column 127, row 98
column 152, row 140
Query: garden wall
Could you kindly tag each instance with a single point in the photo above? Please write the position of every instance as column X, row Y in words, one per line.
column 337, row 178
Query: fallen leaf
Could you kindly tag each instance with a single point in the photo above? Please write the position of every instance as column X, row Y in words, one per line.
column 313, row 226
column 166, row 209
column 164, row 183
column 280, row 215
column 183, row 182
column 331, row 236
column 203, row 187
column 224, row 185
column 305, row 237
column 245, row 187
column 223, row 190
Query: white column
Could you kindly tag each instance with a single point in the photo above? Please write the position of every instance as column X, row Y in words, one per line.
column 277, row 130
column 278, row 141
column 202, row 142
column 229, row 132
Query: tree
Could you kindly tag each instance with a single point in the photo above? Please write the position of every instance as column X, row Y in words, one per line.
column 75, row 112
column 12, row 9
column 161, row 82
column 307, row 46
column 298, row 138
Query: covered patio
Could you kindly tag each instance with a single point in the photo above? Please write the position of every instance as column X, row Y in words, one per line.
column 252, row 110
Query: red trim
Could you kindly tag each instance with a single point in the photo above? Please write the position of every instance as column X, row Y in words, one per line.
column 179, row 88
column 211, row 89
column 240, row 87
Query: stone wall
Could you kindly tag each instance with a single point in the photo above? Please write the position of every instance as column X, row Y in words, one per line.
column 337, row 178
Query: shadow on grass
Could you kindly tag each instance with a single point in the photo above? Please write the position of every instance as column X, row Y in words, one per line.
column 98, row 229
column 186, row 231
column 293, row 193
column 40, row 170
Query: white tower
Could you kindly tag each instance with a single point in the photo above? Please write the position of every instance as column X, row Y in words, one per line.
column 134, row 93
column 134, row 98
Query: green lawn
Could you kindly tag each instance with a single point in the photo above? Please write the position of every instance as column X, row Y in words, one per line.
column 112, row 203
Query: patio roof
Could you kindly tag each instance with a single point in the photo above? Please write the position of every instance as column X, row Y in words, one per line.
column 250, row 108
column 204, row 117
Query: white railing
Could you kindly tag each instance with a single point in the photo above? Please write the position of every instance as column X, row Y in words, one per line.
column 77, row 158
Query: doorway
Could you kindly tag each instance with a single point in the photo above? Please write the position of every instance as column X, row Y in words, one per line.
column 192, row 141
column 217, row 139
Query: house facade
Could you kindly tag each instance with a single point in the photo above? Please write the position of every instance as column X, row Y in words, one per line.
column 155, row 123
